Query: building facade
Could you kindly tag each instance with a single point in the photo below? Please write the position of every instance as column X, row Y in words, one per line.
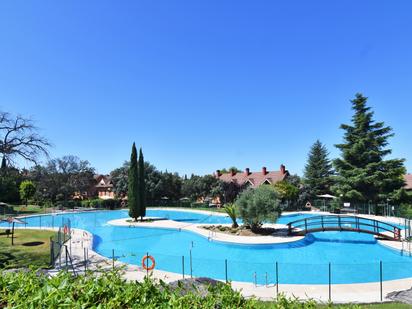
column 254, row 179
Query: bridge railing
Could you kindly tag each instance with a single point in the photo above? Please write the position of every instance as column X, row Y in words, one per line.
column 344, row 223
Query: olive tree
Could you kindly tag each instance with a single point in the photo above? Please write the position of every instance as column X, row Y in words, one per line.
column 258, row 205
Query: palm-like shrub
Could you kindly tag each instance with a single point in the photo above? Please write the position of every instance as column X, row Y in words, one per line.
column 230, row 209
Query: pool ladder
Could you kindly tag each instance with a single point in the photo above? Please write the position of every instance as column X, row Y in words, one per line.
column 211, row 235
column 406, row 247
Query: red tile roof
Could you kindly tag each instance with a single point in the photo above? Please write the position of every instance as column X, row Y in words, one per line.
column 254, row 178
column 103, row 181
column 408, row 181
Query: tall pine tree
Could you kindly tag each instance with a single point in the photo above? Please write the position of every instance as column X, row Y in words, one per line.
column 363, row 173
column 142, row 186
column 133, row 186
column 318, row 171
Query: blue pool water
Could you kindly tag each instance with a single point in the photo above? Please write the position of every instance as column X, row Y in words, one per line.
column 354, row 257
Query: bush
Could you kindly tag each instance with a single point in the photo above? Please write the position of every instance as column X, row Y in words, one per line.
column 108, row 290
column 95, row 203
column 85, row 203
column 258, row 205
column 110, row 203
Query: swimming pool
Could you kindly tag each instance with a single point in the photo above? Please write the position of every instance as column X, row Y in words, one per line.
column 354, row 257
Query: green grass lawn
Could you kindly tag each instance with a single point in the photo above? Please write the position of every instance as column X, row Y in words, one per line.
column 22, row 210
column 31, row 248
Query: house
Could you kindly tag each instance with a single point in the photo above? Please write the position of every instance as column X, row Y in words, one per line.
column 408, row 182
column 254, row 179
column 104, row 187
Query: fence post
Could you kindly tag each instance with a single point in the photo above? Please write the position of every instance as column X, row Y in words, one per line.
column 85, row 260
column 65, row 250
column 277, row 279
column 191, row 269
column 183, row 266
column 226, row 269
column 147, row 264
column 51, row 252
column 380, row 279
column 330, row 282
column 113, row 259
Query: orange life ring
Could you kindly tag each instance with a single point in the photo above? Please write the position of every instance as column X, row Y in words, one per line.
column 66, row 230
column 144, row 262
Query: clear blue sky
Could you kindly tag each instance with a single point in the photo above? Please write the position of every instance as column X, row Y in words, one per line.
column 202, row 85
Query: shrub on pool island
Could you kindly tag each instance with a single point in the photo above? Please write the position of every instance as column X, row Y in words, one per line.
column 258, row 205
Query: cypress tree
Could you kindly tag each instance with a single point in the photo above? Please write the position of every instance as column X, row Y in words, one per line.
column 318, row 171
column 142, row 186
column 3, row 163
column 363, row 173
column 133, row 186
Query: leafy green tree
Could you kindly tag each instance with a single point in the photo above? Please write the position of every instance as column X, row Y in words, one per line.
column 27, row 190
column 61, row 178
column 158, row 184
column 202, row 186
column 142, row 186
column 363, row 173
column 318, row 171
column 120, row 179
column 133, row 186
column 258, row 205
column 230, row 169
column 10, row 179
column 287, row 192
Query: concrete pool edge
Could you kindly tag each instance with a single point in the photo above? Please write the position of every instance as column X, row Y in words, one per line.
column 215, row 236
column 340, row 293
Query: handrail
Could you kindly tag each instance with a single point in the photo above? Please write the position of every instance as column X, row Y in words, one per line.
column 339, row 223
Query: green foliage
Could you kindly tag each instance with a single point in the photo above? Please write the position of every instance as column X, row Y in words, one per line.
column 27, row 190
column 10, row 179
column 142, row 186
column 286, row 191
column 108, row 290
column 133, row 186
column 318, row 171
column 110, row 203
column 258, row 205
column 363, row 173
column 157, row 184
column 230, row 169
column 232, row 213
column 202, row 186
column 60, row 179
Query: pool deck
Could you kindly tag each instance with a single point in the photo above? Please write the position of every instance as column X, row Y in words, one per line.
column 212, row 236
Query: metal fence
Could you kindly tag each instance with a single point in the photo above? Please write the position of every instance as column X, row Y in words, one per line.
column 325, row 277
column 58, row 243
